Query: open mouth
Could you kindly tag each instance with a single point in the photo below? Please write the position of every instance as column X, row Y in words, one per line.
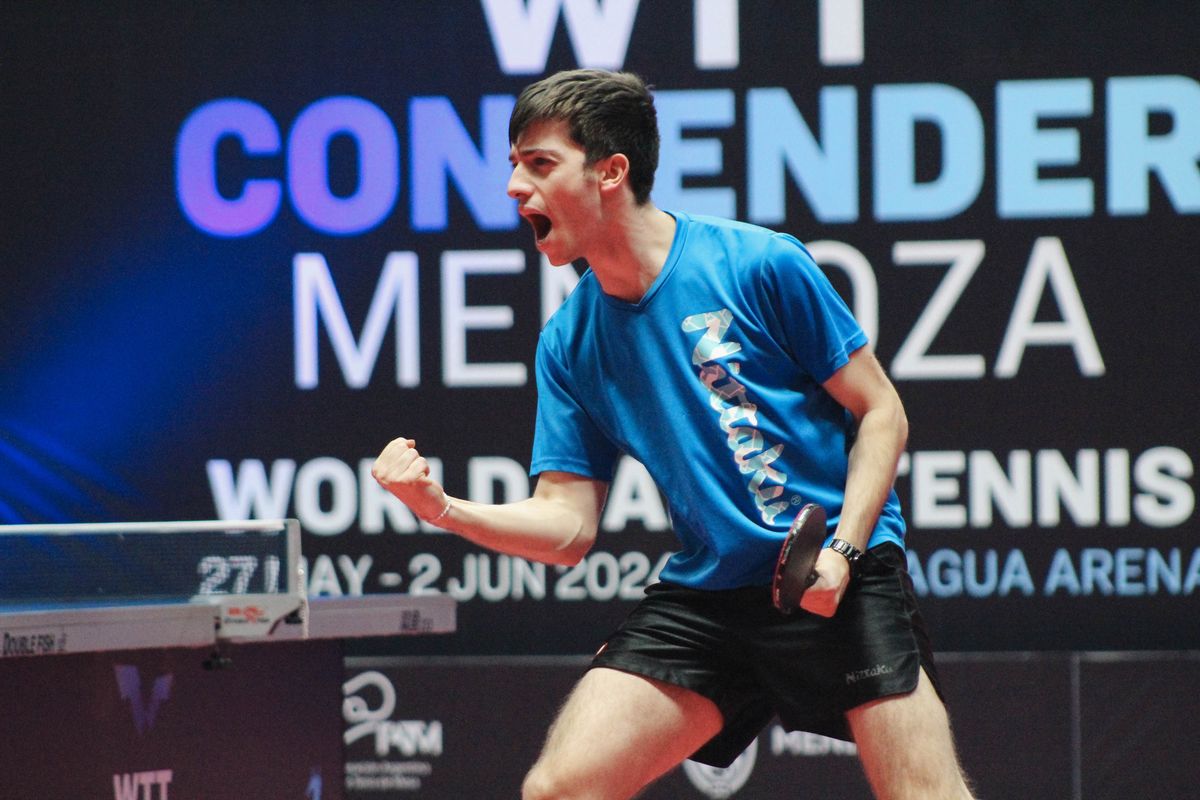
column 540, row 223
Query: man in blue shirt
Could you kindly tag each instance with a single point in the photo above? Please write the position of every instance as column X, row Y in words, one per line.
column 718, row 355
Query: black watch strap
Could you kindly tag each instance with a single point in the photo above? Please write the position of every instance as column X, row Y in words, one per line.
column 848, row 550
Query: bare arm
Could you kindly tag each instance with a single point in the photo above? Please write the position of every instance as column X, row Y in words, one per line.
column 865, row 391
column 557, row 525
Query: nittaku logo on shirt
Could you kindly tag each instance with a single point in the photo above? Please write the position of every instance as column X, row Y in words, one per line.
column 738, row 415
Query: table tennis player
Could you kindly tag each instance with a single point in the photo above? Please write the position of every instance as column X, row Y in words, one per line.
column 718, row 355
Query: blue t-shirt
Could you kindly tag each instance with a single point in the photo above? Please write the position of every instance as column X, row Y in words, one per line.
column 713, row 382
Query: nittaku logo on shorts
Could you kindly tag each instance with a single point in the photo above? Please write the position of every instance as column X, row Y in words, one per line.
column 720, row 783
column 869, row 672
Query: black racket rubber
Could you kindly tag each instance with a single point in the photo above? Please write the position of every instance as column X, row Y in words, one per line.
column 797, row 558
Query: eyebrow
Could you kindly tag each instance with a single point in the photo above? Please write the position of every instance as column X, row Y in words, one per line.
column 529, row 151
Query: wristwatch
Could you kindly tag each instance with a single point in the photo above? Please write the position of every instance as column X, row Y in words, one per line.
column 848, row 550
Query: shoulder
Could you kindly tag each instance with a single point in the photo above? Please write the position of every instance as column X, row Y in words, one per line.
column 745, row 233
column 571, row 317
column 750, row 248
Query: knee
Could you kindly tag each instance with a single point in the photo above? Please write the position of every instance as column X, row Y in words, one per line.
column 545, row 782
column 540, row 784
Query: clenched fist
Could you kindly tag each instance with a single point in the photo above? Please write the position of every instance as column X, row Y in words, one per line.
column 833, row 576
column 405, row 473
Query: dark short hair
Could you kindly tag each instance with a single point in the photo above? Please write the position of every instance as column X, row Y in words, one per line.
column 606, row 113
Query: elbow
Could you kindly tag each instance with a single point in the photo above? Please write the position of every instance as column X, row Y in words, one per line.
column 573, row 551
column 886, row 425
column 901, row 426
column 895, row 418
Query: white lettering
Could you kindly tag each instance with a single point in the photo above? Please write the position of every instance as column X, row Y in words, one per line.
column 743, row 440
column 1048, row 266
column 252, row 495
column 1078, row 492
column 715, row 34
column 409, row 737
column 947, row 489
column 458, row 317
column 141, row 785
column 523, row 30
column 913, row 359
column 485, row 472
column 1012, row 493
column 805, row 743
column 315, row 295
column 840, row 24
column 1166, row 499
column 935, row 474
column 355, row 572
column 343, row 503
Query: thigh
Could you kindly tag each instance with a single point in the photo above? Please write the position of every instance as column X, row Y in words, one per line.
column 617, row 732
column 906, row 747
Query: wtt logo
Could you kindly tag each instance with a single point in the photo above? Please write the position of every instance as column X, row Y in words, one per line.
column 144, row 709
column 522, row 32
column 313, row 790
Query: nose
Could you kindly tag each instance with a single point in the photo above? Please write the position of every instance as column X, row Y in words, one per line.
column 518, row 187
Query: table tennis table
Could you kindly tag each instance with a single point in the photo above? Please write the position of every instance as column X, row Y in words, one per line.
column 114, row 643
column 95, row 587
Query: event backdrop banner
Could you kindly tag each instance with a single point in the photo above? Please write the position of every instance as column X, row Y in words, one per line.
column 246, row 245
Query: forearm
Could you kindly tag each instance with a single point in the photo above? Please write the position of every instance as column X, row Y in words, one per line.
column 557, row 525
column 882, row 436
column 538, row 529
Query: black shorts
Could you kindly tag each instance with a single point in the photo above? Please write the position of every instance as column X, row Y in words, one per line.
column 734, row 647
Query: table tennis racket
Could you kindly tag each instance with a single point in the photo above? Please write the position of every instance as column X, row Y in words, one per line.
column 797, row 557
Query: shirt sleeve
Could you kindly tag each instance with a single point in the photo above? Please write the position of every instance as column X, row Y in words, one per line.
column 566, row 438
column 810, row 317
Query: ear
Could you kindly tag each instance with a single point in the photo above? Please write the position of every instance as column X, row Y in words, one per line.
column 613, row 172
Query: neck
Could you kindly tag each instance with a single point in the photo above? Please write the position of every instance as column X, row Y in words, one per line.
column 632, row 250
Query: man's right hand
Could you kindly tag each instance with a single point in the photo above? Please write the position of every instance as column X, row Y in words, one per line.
column 405, row 473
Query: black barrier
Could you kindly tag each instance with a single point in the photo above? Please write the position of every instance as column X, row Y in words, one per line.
column 158, row 724
column 151, row 725
column 245, row 246
column 1036, row 725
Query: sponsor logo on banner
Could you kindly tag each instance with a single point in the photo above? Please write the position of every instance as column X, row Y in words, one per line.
column 142, row 785
column 144, row 709
column 722, row 782
column 32, row 642
column 808, row 744
column 145, row 784
column 315, row 784
column 414, row 742
column 245, row 615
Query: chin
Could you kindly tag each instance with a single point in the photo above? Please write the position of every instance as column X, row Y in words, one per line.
column 558, row 260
